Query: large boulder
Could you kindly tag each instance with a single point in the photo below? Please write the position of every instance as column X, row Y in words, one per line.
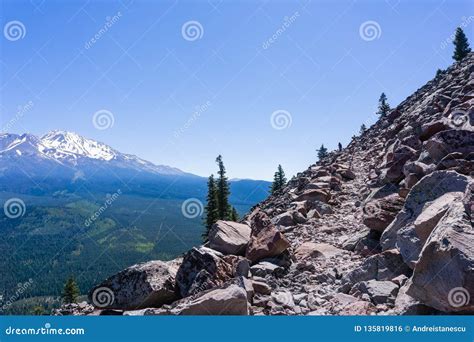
column 380, row 212
column 407, row 305
column 380, row 292
column 314, row 195
column 382, row 267
column 145, row 285
column 229, row 237
column 365, row 242
column 321, row 207
column 202, row 268
column 426, row 203
column 458, row 162
column 396, row 157
column 266, row 241
column 264, row 268
column 230, row 300
column 446, row 142
column 431, row 128
column 285, row 219
column 443, row 277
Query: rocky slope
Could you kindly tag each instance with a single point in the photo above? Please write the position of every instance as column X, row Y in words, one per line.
column 382, row 227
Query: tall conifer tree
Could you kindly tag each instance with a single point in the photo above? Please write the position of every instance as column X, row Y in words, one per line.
column 384, row 107
column 279, row 180
column 461, row 45
column 212, row 213
column 223, row 192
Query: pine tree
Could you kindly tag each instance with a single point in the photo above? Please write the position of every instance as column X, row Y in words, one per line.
column 339, row 146
column 384, row 107
column 279, row 180
column 322, row 152
column 212, row 214
column 223, row 192
column 439, row 72
column 234, row 216
column 71, row 291
column 363, row 128
column 461, row 45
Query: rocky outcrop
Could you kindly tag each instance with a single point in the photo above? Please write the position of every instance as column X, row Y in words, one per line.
column 446, row 142
column 231, row 300
column 229, row 237
column 265, row 241
column 443, row 277
column 382, row 267
column 426, row 203
column 380, row 212
column 379, row 292
column 383, row 226
column 150, row 284
column 202, row 269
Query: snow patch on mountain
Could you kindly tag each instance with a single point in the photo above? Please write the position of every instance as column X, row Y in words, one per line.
column 71, row 149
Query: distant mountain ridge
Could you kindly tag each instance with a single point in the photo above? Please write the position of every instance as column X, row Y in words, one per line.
column 65, row 160
column 72, row 150
column 62, row 179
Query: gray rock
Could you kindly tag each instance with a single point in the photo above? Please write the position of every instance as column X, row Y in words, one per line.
column 443, row 277
column 407, row 305
column 149, row 284
column 396, row 157
column 380, row 292
column 266, row 241
column 202, row 268
column 264, row 268
column 231, row 300
column 285, row 219
column 424, row 206
column 314, row 195
column 382, row 267
column 380, row 212
column 229, row 237
column 446, row 142
column 261, row 287
column 316, row 250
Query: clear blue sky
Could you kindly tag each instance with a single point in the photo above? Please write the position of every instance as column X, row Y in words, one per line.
column 142, row 70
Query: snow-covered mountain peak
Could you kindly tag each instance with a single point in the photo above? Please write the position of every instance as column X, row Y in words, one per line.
column 72, row 150
column 63, row 144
